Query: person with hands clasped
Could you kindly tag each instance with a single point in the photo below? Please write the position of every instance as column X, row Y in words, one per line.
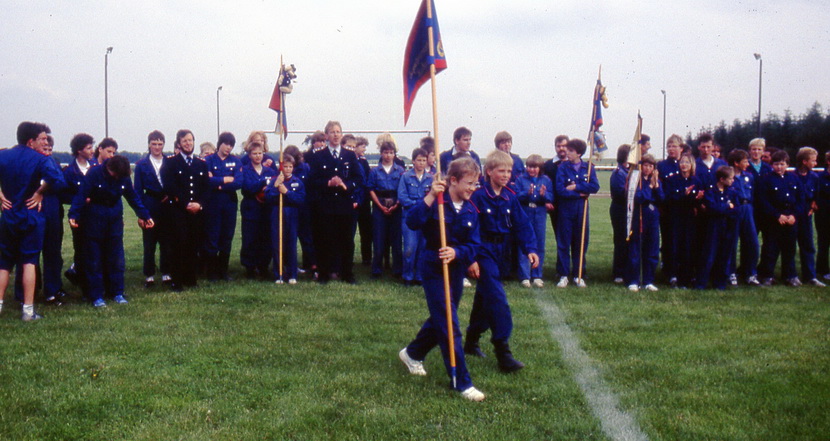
column 719, row 207
column 462, row 244
column 683, row 193
column 779, row 195
column 255, row 254
column 644, row 246
column 293, row 192
column 386, row 211
column 535, row 193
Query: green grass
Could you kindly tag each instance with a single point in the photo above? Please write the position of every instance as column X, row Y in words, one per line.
column 251, row 360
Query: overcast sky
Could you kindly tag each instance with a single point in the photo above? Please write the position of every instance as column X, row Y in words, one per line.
column 525, row 66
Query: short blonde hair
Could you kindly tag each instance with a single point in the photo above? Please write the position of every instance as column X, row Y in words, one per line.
column 251, row 137
column 497, row 158
column 804, row 154
column 250, row 146
column 463, row 166
column 386, row 137
column 758, row 141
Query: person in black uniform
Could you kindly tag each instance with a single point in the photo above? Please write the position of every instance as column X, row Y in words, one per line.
column 335, row 178
column 185, row 181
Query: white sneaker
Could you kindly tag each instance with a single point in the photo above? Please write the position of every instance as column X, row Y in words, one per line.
column 580, row 283
column 619, row 281
column 826, row 277
column 166, row 278
column 279, row 282
column 292, row 281
column 526, row 283
column 753, row 280
column 467, row 283
column 633, row 288
column 539, row 283
column 473, row 394
column 817, row 282
column 733, row 280
column 563, row 282
column 416, row 367
column 651, row 287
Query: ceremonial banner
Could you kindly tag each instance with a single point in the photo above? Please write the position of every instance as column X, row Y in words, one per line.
column 416, row 60
column 597, row 138
column 278, row 103
column 633, row 174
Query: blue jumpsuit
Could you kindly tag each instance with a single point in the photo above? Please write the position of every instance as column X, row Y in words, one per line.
column 823, row 222
column 681, row 211
column 462, row 235
column 744, row 228
column 666, row 169
column 292, row 203
column 98, row 206
column 147, row 184
column 386, row 229
column 528, row 192
column 364, row 215
column 411, row 191
column 804, row 225
column 220, row 212
column 304, row 228
column 618, row 213
column 517, row 171
column 716, row 238
column 644, row 247
column 778, row 195
column 256, row 217
column 501, row 218
column 74, row 178
column 570, row 211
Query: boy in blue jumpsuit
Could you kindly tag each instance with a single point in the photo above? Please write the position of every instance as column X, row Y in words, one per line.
column 805, row 161
column 414, row 185
column 255, row 254
column 309, row 262
column 744, row 225
column 462, row 240
column 779, row 195
column 535, row 193
column 293, row 191
column 707, row 164
column 364, row 203
column 573, row 186
column 619, row 214
column 462, row 140
column 225, row 172
column 501, row 218
column 644, row 247
column 386, row 210
column 718, row 207
column 666, row 169
column 823, row 220
column 22, row 224
column 147, row 184
column 103, row 216
column 83, row 152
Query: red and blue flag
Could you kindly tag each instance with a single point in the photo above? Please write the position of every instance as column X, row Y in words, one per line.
column 277, row 103
column 417, row 58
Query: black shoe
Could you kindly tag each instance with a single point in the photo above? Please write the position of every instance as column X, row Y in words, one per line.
column 149, row 283
column 471, row 346
column 505, row 358
column 350, row 280
column 54, row 300
column 72, row 276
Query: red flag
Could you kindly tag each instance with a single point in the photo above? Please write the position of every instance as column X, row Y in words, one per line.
column 416, row 60
column 277, row 103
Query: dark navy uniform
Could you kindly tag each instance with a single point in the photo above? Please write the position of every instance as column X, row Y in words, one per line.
column 619, row 214
column 333, row 209
column 804, row 225
column 147, row 184
column 528, row 191
column 716, row 239
column 743, row 228
column 220, row 212
column 386, row 229
column 74, row 177
column 706, row 175
column 823, row 222
column 364, row 216
column 571, row 209
column 447, row 156
column 778, row 195
column 304, row 228
column 292, row 202
column 255, row 253
column 463, row 236
column 185, row 180
column 98, row 206
column 681, row 210
column 666, row 169
column 644, row 247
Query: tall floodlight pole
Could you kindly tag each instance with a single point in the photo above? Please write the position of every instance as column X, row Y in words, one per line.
column 106, row 94
column 760, row 73
column 664, row 122
column 217, row 111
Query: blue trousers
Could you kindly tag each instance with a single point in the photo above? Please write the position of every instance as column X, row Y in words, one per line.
column 256, row 239
column 618, row 226
column 158, row 236
column 435, row 331
column 306, row 239
column 569, row 238
column 714, row 255
column 806, row 247
column 105, row 266
column 538, row 220
column 823, row 239
column 289, row 245
column 220, row 225
column 778, row 239
column 413, row 246
column 490, row 307
column 744, row 229
column 644, row 248
column 386, row 231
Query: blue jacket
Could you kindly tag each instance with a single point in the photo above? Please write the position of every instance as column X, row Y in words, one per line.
column 503, row 215
column 668, row 168
column 706, row 175
column 809, row 188
column 716, row 203
column 446, row 157
column 823, row 191
column 220, row 168
column 184, row 183
column 98, row 205
column 294, row 198
column 619, row 177
column 462, row 230
column 566, row 175
column 385, row 184
column 410, row 190
column 21, row 170
column 523, row 185
column 779, row 195
column 335, row 200
column 253, row 190
column 744, row 187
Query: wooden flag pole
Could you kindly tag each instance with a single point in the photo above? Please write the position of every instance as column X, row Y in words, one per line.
column 590, row 166
column 441, row 226
column 282, row 136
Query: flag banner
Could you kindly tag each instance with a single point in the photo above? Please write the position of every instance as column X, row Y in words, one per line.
column 597, row 137
column 283, row 87
column 636, row 153
column 416, row 60
column 633, row 183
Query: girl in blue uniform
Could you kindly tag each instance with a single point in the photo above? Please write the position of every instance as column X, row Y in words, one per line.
column 462, row 240
column 255, row 254
column 718, row 207
column 779, row 195
column 293, row 192
column 644, row 247
column 386, row 210
column 225, row 171
column 83, row 152
column 535, row 193
column 682, row 194
column 301, row 170
column 414, row 185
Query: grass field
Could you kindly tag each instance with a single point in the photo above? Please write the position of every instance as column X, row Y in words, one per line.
column 251, row 360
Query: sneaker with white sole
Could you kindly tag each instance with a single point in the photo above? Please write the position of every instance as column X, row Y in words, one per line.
column 539, row 283
column 826, row 276
column 31, row 317
column 753, row 280
column 817, row 282
column 473, row 394
column 526, row 283
column 415, row 367
column 619, row 280
column 733, row 279
column 794, row 282
column 467, row 283
column 292, row 281
column 580, row 283
column 651, row 287
column 633, row 288
column 120, row 299
column 563, row 282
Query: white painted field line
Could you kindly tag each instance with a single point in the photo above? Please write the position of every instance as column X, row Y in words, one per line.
column 616, row 423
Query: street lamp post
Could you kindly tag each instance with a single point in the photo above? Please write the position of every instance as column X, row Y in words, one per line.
column 760, row 73
column 106, row 94
column 664, row 122
column 217, row 111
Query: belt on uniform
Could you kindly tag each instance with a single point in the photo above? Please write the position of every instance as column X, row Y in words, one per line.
column 386, row 193
column 494, row 238
column 531, row 205
column 745, row 202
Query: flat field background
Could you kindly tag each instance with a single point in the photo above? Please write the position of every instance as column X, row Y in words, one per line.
column 252, row 360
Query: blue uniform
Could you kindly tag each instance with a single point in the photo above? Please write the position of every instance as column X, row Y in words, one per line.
column 255, row 253
column 74, row 177
column 386, row 228
column 275, row 165
column 666, row 169
column 743, row 228
column 517, row 171
column 823, row 222
column 147, row 184
column 462, row 231
column 681, row 209
column 644, row 247
column 364, row 216
column 804, row 225
column 292, row 203
column 619, row 213
column 22, row 229
column 220, row 212
column 716, row 239
column 304, row 223
column 706, row 175
column 778, row 195
column 569, row 219
column 447, row 156
column 411, row 191
column 528, row 191
column 98, row 206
